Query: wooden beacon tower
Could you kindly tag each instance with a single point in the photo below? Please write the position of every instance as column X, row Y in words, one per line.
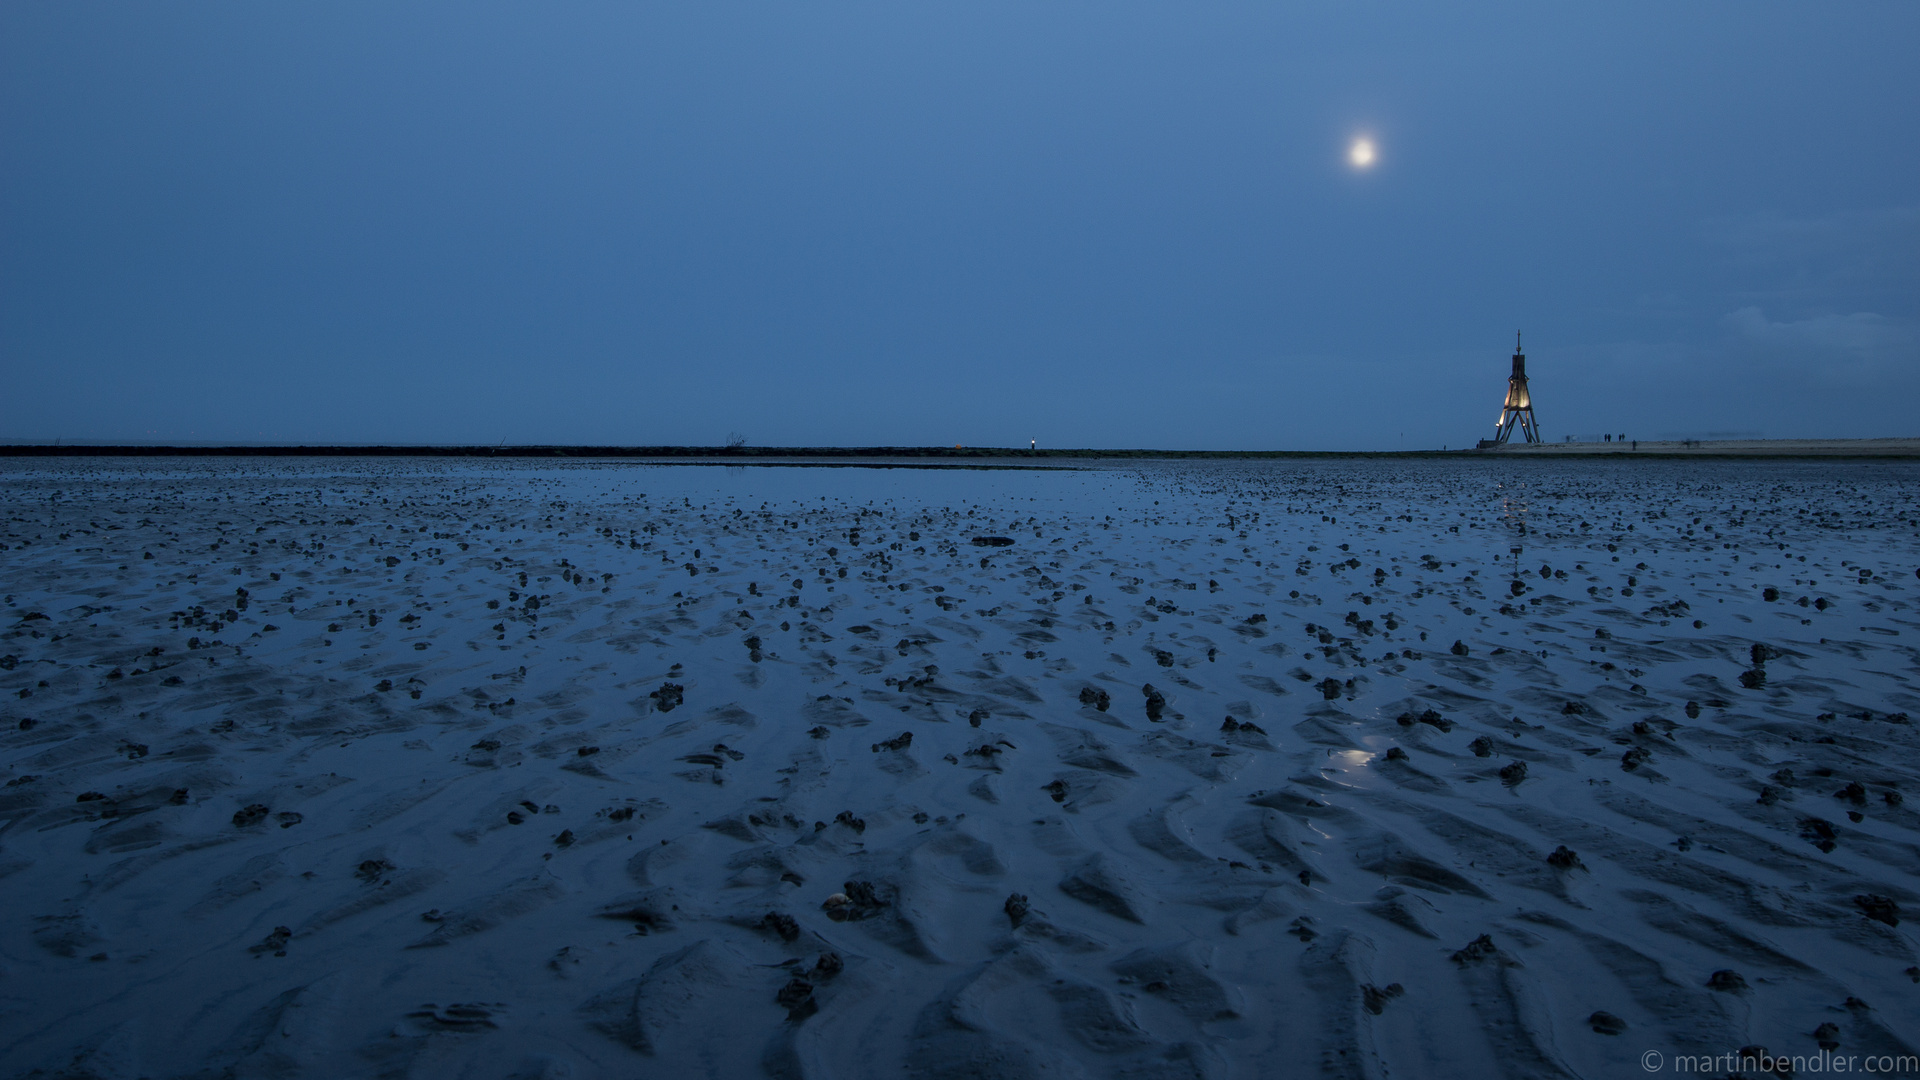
column 1518, row 410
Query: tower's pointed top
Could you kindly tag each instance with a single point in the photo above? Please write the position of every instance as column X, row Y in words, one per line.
column 1516, row 342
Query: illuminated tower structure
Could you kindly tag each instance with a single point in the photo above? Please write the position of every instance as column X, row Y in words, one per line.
column 1518, row 411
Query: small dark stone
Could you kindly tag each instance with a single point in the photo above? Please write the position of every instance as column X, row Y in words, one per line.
column 1605, row 1023
column 1565, row 858
column 1481, row 747
column 1395, row 753
column 1513, row 773
column 1459, row 648
column 250, row 815
column 1827, row 1035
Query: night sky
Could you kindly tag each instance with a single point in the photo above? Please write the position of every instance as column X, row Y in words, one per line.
column 1092, row 224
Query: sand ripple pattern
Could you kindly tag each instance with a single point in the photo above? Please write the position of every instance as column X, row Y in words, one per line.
column 1354, row 769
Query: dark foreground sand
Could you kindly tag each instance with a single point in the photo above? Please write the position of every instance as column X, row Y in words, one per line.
column 380, row 768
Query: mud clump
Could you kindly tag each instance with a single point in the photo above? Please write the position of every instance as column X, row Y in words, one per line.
column 1374, row 998
column 795, row 996
column 1476, row 950
column 1156, row 702
column 275, row 943
column 780, row 923
column 859, row 901
column 669, row 697
column 1878, row 908
column 1430, row 717
column 1016, row 908
column 1819, row 832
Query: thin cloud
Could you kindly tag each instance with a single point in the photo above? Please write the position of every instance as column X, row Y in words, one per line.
column 1862, row 334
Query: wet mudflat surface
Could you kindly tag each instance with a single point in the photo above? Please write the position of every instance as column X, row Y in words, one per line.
column 419, row 768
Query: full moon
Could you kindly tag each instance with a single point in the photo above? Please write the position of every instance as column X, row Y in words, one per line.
column 1361, row 154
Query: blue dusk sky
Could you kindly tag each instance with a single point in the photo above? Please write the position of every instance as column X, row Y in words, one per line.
column 1104, row 224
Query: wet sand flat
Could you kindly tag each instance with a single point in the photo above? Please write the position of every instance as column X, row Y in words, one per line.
column 1215, row 769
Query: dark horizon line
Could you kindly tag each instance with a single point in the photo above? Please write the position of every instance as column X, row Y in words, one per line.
column 746, row 454
column 582, row 450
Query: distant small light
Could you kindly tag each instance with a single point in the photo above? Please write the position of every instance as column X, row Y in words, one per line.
column 1362, row 153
